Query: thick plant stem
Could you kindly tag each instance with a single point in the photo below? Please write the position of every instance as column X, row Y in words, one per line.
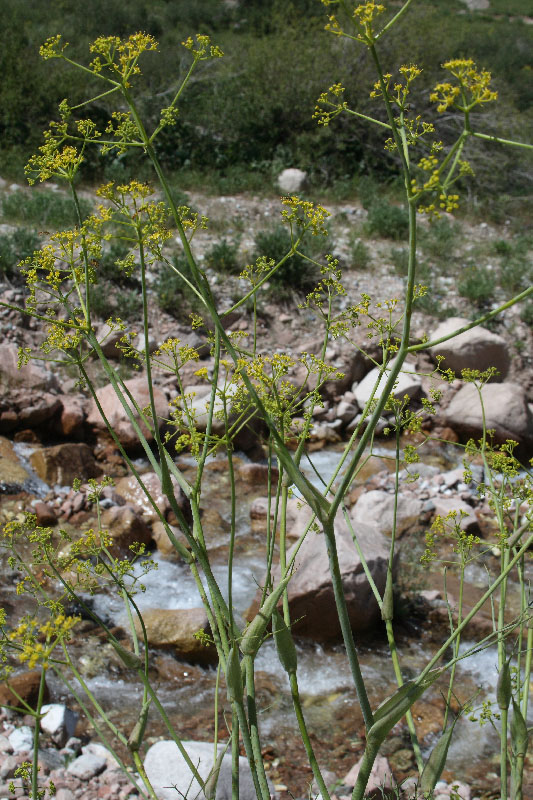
column 369, row 756
column 254, row 730
column 323, row 789
column 238, row 709
column 234, row 756
column 346, row 628
column 35, row 760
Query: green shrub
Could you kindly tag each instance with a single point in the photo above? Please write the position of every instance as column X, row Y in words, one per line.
column 107, row 302
column 223, row 257
column 388, row 221
column 400, row 259
column 15, row 247
column 297, row 274
column 173, row 295
column 359, row 254
column 46, row 209
column 439, row 238
column 477, row 284
column 526, row 314
column 111, row 271
column 515, row 275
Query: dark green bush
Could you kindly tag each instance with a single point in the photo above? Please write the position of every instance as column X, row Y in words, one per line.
column 111, row 271
column 224, row 257
column 359, row 254
column 108, row 302
column 297, row 274
column 439, row 238
column 46, row 209
column 388, row 221
column 15, row 247
column 515, row 275
column 173, row 295
column 400, row 260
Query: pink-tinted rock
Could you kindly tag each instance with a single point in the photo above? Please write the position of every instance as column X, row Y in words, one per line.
column 45, row 514
column 176, row 628
column 116, row 415
column 73, row 413
column 131, row 491
column 380, row 783
column 477, row 348
column 32, row 375
column 506, row 412
column 37, row 410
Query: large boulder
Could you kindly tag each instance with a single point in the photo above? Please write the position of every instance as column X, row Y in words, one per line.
column 31, row 375
column 25, row 686
column 62, row 463
column 464, row 514
column 116, row 415
column 292, row 180
column 477, row 348
column 506, row 412
column 376, row 508
column 73, row 414
column 168, row 771
column 175, row 628
column 407, row 383
column 311, row 598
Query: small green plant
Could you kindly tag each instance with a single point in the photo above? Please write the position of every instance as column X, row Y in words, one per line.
column 359, row 254
column 44, row 209
column 439, row 238
column 400, row 260
column 15, row 247
column 477, row 285
column 224, row 257
column 108, row 302
column 388, row 221
column 114, row 266
column 515, row 274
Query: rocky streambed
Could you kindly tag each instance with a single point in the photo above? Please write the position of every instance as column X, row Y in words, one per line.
column 51, row 434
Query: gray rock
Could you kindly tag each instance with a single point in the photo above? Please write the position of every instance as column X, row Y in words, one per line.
column 166, row 768
column 292, row 180
column 8, row 767
column 31, row 375
column 407, row 383
column 176, row 628
column 376, row 508
column 506, row 411
column 21, row 739
column 87, row 766
column 477, row 348
column 467, row 522
column 59, row 721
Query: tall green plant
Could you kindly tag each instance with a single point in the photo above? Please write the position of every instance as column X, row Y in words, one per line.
column 245, row 386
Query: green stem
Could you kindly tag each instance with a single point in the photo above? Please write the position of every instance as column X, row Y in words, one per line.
column 323, row 789
column 37, row 731
column 254, row 729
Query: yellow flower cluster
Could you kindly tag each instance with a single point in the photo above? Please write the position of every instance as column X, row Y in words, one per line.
column 120, row 56
column 305, row 214
column 473, row 89
column 202, row 49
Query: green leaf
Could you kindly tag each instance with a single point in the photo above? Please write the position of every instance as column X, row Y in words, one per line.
column 519, row 734
column 436, row 762
column 253, row 637
column 234, row 676
column 504, row 688
column 394, row 708
column 284, row 643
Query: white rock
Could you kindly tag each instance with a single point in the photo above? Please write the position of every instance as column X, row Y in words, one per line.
column 407, row 383
column 21, row 739
column 87, row 766
column 166, row 768
column 59, row 721
column 292, row 180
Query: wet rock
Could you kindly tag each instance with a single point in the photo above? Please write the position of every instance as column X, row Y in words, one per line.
column 45, row 514
column 31, row 375
column 292, row 180
column 257, row 474
column 166, row 768
column 506, row 411
column 477, row 348
column 116, row 416
column 26, row 685
column 13, row 476
column 311, row 597
column 376, row 508
column 407, row 383
column 176, row 628
column 59, row 722
column 65, row 462
column 162, row 542
column 130, row 490
column 126, row 528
